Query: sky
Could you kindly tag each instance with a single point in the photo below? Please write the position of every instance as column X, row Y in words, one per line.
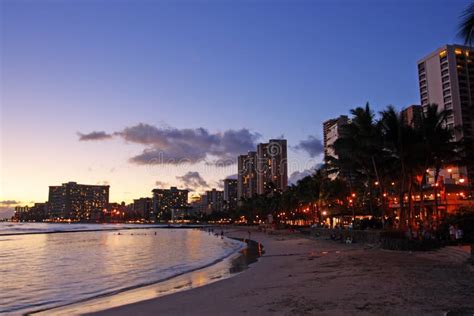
column 120, row 92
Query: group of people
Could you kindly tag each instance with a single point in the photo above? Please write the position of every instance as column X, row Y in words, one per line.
column 211, row 231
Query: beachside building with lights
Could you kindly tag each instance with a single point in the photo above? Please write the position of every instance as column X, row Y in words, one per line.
column 446, row 78
column 166, row 201
column 77, row 202
column 272, row 166
column 247, row 175
column 230, row 194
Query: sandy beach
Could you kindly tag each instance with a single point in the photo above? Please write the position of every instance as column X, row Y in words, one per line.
column 300, row 275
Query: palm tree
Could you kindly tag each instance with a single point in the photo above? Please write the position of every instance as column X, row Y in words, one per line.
column 359, row 151
column 439, row 148
column 466, row 26
column 398, row 138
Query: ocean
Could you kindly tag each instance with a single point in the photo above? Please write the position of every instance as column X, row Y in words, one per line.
column 43, row 266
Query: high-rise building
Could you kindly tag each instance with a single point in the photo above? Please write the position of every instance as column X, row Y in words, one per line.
column 412, row 115
column 165, row 201
column 332, row 130
column 272, row 166
column 230, row 194
column 215, row 200
column 331, row 133
column 77, row 201
column 446, row 78
column 247, row 176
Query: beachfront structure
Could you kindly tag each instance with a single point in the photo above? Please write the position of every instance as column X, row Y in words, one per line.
column 167, row 200
column 272, row 166
column 446, row 78
column 331, row 133
column 230, row 194
column 78, row 202
column 143, row 207
column 247, row 175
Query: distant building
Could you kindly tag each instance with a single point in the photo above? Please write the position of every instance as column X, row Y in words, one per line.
column 79, row 202
column 165, row 201
column 272, row 166
column 413, row 115
column 143, row 207
column 230, row 194
column 331, row 133
column 332, row 130
column 445, row 78
column 200, row 204
column 215, row 201
column 247, row 176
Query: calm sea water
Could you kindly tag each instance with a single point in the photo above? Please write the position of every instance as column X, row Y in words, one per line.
column 44, row 270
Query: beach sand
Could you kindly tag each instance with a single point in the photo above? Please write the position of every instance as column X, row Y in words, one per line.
column 300, row 275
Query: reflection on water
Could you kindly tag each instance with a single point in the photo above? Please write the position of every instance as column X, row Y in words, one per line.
column 45, row 270
column 250, row 254
column 221, row 270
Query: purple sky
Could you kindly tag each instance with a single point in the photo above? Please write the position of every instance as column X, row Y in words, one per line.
column 203, row 80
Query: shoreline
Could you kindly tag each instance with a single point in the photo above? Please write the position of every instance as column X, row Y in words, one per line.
column 300, row 275
column 220, row 269
column 139, row 226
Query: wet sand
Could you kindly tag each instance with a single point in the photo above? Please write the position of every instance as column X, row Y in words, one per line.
column 303, row 276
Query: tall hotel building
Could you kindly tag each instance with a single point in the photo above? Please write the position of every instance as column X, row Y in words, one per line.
column 331, row 133
column 77, row 201
column 446, row 78
column 247, row 175
column 272, row 166
column 230, row 194
column 165, row 201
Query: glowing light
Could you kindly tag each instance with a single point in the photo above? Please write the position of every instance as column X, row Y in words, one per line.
column 450, row 170
column 461, row 180
column 325, row 213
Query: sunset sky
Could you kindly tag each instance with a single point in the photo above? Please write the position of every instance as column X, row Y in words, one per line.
column 91, row 91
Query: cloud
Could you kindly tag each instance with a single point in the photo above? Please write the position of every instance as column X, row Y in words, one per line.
column 6, row 212
column 160, row 184
column 193, row 180
column 176, row 146
column 101, row 135
column 9, row 202
column 313, row 146
column 105, row 182
column 298, row 175
column 7, row 208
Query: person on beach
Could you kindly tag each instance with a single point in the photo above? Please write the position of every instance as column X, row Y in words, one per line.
column 452, row 232
column 459, row 234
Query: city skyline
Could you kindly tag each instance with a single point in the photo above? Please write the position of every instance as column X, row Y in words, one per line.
column 59, row 104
